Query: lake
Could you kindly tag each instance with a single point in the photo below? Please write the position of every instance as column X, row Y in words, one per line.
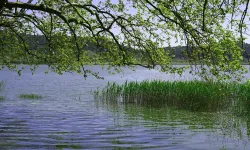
column 69, row 117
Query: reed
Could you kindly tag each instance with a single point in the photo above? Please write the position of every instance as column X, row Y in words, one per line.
column 30, row 96
column 191, row 95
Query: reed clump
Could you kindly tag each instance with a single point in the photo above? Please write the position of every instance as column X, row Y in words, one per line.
column 30, row 96
column 191, row 95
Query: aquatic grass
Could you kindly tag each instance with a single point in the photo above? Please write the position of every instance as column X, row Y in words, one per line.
column 70, row 146
column 1, row 89
column 192, row 95
column 2, row 98
column 2, row 84
column 30, row 96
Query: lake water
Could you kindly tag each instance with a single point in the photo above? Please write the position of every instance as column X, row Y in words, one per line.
column 68, row 116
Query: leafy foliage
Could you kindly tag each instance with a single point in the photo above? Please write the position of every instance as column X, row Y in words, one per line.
column 131, row 32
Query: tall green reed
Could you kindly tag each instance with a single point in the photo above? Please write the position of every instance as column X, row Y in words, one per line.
column 191, row 95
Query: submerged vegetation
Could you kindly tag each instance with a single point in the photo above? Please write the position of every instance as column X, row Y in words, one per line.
column 190, row 95
column 30, row 96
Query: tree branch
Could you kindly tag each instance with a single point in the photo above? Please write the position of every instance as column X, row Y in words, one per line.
column 203, row 15
column 40, row 7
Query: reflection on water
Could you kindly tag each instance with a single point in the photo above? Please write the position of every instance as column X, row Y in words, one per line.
column 186, row 129
column 68, row 117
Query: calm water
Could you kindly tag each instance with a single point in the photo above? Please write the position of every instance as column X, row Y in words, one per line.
column 68, row 117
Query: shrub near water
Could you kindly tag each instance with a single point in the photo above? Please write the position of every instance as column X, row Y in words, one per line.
column 191, row 95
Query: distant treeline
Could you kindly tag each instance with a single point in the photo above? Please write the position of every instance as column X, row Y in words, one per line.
column 178, row 51
column 39, row 41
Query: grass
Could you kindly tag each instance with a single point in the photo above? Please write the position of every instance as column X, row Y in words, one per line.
column 190, row 95
column 30, row 96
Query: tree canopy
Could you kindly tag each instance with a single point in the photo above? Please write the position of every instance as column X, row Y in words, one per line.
column 125, row 33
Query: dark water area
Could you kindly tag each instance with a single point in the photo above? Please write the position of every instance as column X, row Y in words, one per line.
column 69, row 117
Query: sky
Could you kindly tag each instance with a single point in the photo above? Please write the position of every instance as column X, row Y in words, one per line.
column 173, row 41
column 133, row 11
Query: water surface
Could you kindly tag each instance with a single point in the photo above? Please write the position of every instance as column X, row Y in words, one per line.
column 68, row 117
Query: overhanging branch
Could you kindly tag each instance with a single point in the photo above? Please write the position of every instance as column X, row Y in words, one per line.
column 40, row 7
